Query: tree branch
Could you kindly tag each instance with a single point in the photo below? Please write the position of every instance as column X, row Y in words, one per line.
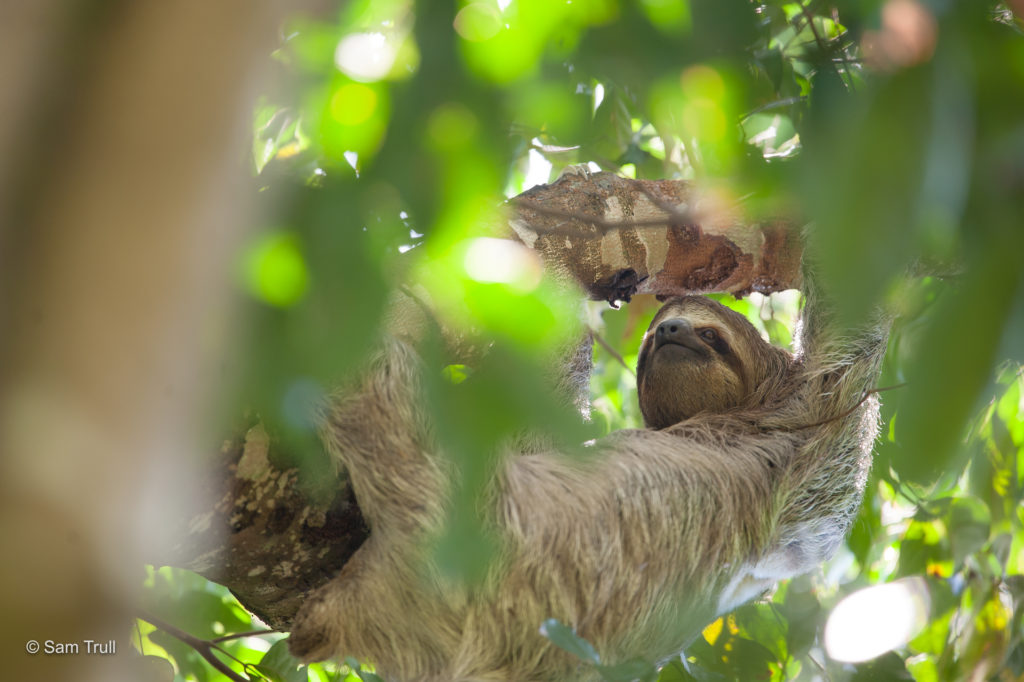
column 604, row 225
column 239, row 635
column 846, row 413
column 203, row 647
column 665, row 237
column 823, row 46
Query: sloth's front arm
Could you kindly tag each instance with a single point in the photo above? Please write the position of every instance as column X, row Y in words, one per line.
column 631, row 543
column 637, row 544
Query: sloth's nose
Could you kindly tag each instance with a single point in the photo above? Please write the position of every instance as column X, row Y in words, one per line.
column 674, row 330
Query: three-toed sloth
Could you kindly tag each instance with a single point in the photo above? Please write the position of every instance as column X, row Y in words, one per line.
column 750, row 471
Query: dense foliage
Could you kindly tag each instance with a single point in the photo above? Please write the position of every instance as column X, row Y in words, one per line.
column 394, row 131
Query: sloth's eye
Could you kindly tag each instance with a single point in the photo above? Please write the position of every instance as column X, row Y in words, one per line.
column 708, row 335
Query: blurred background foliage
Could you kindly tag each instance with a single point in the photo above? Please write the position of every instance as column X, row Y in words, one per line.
column 395, row 128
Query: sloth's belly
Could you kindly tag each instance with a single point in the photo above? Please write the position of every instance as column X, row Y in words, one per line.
column 800, row 550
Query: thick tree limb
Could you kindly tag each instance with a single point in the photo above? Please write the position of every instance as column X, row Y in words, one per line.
column 616, row 237
column 613, row 236
column 267, row 537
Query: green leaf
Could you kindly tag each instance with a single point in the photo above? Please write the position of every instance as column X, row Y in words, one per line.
column 564, row 638
column 282, row 664
column 270, row 673
column 883, row 669
column 968, row 525
column 761, row 623
column 872, row 146
column 803, row 615
column 675, row 672
column 965, row 326
column 629, row 671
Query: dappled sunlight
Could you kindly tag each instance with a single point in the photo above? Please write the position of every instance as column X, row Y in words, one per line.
column 356, row 120
column 478, row 21
column 505, row 261
column 451, row 127
column 908, row 36
column 876, row 619
column 365, row 56
column 538, row 170
column 274, row 270
column 353, row 104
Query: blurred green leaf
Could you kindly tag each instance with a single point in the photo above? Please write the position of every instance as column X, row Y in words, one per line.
column 867, row 157
column 887, row 667
column 965, row 328
column 629, row 671
column 275, row 271
column 564, row 638
column 968, row 525
column 281, row 666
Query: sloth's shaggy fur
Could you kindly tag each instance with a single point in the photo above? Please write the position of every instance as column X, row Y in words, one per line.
column 753, row 474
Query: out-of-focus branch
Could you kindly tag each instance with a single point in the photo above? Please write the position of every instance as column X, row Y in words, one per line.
column 124, row 140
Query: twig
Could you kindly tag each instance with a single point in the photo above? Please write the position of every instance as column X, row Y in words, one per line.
column 847, row 413
column 425, row 308
column 611, row 351
column 239, row 635
column 553, row 149
column 203, row 647
column 774, row 105
column 823, row 46
column 818, row 663
column 138, row 636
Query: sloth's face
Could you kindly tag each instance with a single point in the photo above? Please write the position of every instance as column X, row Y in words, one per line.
column 697, row 356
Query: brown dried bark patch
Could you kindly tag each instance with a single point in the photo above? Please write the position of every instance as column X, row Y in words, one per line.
column 265, row 538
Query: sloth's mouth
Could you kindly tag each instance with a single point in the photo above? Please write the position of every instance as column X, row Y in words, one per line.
column 688, row 344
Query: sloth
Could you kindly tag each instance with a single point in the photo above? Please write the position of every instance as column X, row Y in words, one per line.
column 699, row 356
column 750, row 470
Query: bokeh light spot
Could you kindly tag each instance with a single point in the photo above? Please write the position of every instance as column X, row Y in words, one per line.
column 365, row 56
column 451, row 126
column 705, row 118
column 477, row 21
column 668, row 15
column 703, row 81
column 353, row 103
column 504, row 261
column 907, row 37
column 877, row 619
column 275, row 271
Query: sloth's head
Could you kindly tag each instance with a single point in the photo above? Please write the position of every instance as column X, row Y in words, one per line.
column 699, row 356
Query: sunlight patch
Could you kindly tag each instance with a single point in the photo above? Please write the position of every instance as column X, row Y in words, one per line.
column 877, row 619
column 501, row 260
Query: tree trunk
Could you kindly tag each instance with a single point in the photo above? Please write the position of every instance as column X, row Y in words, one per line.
column 123, row 134
column 270, row 542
